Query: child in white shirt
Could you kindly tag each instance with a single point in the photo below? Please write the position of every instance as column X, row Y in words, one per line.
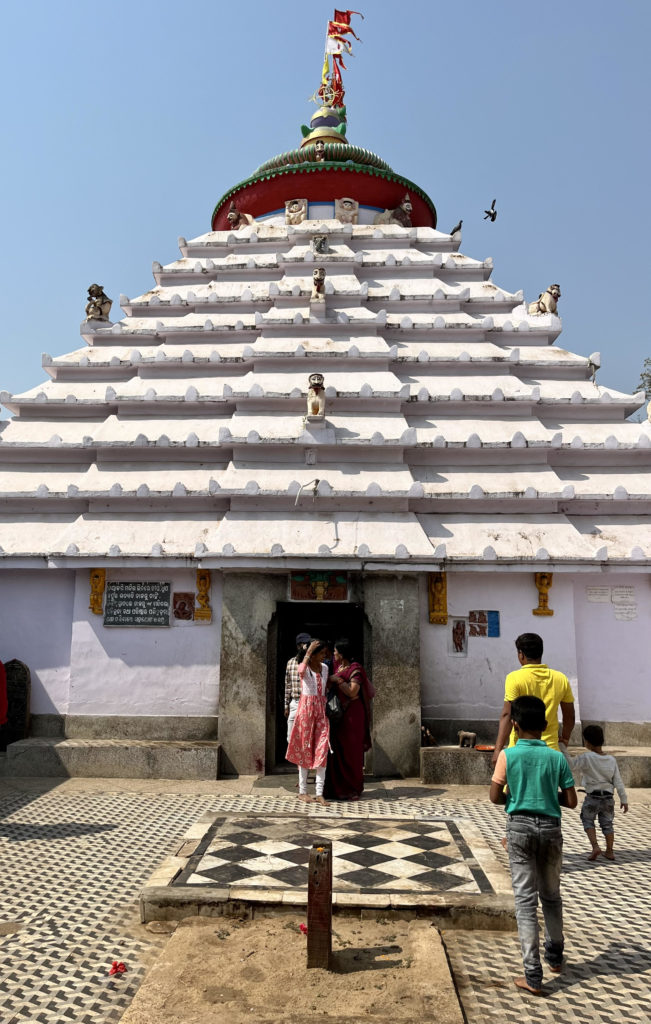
column 599, row 777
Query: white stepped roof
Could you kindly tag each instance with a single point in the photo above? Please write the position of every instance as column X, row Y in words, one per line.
column 421, row 258
column 232, row 261
column 48, row 433
column 610, row 435
column 434, row 289
column 351, row 345
column 189, row 431
column 116, row 535
column 506, row 537
column 195, row 444
column 352, row 478
column 313, row 535
column 113, row 479
column 22, row 534
column 337, row 252
column 210, row 351
column 505, row 481
column 349, row 428
column 487, row 352
column 162, row 323
column 599, row 482
column 439, row 387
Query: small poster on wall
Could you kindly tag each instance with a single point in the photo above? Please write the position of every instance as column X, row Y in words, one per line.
column 458, row 638
column 484, row 623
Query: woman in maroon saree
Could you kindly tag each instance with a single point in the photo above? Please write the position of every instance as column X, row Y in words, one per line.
column 350, row 738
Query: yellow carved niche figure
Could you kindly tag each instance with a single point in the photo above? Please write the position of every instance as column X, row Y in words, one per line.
column 437, row 593
column 97, row 585
column 204, row 612
column 543, row 582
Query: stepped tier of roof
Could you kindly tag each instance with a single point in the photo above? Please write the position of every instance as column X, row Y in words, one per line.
column 456, row 432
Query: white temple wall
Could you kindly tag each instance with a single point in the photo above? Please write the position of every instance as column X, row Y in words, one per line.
column 35, row 627
column 471, row 686
column 612, row 618
column 162, row 671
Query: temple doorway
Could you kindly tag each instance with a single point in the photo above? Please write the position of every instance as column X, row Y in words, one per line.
column 323, row 620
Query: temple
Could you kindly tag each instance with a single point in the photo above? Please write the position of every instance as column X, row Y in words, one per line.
column 323, row 416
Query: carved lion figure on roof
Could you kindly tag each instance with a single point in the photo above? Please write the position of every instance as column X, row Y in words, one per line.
column 547, row 302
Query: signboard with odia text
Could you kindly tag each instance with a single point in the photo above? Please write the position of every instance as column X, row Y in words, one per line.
column 137, row 604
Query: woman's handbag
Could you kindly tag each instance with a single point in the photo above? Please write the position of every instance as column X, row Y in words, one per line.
column 334, row 708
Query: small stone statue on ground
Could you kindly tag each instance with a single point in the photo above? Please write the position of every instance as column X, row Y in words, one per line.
column 547, row 302
column 346, row 210
column 467, row 739
column 318, row 284
column 295, row 211
column 237, row 219
column 316, row 397
column 401, row 215
column 99, row 305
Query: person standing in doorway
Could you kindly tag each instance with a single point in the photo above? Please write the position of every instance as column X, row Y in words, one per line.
column 351, row 737
column 309, row 741
column 534, row 679
column 293, row 681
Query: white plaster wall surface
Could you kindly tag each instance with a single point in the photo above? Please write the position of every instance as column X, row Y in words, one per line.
column 613, row 653
column 472, row 687
column 35, row 627
column 145, row 671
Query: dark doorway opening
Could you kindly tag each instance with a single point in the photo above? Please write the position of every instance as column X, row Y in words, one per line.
column 320, row 620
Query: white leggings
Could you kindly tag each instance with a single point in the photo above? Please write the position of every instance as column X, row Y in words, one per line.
column 302, row 779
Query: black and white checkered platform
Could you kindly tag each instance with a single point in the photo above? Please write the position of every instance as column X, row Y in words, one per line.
column 369, row 856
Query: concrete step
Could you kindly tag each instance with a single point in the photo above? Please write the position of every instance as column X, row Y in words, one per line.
column 113, row 759
column 465, row 766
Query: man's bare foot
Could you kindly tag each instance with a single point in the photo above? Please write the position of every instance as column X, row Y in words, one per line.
column 595, row 853
column 556, row 969
column 609, row 855
column 505, row 843
column 321, row 800
column 306, row 798
column 524, row 984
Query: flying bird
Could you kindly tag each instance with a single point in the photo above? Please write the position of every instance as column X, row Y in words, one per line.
column 456, row 228
column 492, row 213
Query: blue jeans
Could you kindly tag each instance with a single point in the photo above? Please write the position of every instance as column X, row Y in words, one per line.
column 535, row 845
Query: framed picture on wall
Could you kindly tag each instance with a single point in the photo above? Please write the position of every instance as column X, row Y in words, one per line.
column 458, row 637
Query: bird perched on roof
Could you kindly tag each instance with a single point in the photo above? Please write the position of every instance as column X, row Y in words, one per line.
column 492, row 213
column 456, row 228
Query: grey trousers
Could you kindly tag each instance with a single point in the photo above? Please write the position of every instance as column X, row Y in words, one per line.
column 535, row 845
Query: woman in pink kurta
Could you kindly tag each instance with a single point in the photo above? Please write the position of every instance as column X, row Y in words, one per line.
column 309, row 742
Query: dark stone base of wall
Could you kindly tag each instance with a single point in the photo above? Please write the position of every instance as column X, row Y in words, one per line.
column 618, row 734
column 125, row 727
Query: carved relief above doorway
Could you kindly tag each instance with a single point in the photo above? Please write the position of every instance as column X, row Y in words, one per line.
column 318, row 586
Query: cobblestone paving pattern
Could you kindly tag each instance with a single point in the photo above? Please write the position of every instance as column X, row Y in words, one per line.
column 72, row 869
column 73, row 865
column 607, row 907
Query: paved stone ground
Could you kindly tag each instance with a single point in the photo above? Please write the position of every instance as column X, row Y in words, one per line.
column 72, row 867
column 607, row 978
column 75, row 856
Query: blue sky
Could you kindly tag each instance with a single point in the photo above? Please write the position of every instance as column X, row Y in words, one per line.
column 123, row 125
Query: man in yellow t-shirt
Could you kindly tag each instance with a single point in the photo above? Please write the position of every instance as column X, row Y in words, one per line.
column 534, row 679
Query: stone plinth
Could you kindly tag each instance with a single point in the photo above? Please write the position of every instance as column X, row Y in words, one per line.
column 392, row 608
column 249, row 602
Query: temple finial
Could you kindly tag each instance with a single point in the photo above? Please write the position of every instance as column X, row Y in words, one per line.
column 329, row 122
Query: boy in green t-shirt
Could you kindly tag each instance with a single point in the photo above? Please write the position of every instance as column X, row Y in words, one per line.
column 533, row 774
